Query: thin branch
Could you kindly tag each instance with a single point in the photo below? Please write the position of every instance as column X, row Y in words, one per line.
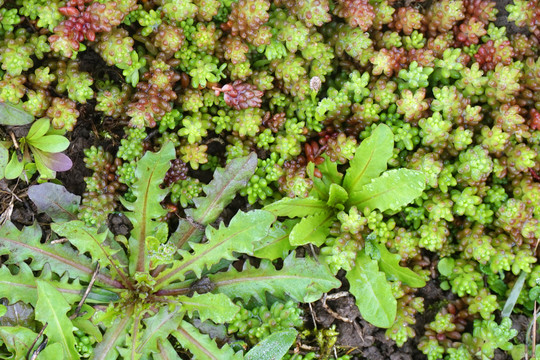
column 86, row 293
column 40, row 347
column 332, row 312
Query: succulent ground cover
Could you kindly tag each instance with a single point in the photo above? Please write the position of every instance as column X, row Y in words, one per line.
column 267, row 179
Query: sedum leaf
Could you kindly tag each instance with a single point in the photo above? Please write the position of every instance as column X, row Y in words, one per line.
column 273, row 347
column 389, row 263
column 13, row 115
column 276, row 244
column 392, row 190
column 87, row 240
column 55, row 201
column 158, row 327
column 297, row 207
column 312, row 229
column 17, row 340
column 25, row 244
column 216, row 307
column 51, row 309
column 150, row 171
column 370, row 159
column 222, row 189
column 243, row 232
column 303, row 279
column 201, row 346
column 373, row 293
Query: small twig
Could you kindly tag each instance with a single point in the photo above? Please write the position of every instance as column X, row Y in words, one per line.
column 59, row 241
column 34, row 354
column 358, row 330
column 309, row 348
column 335, row 351
column 332, row 312
column 336, row 296
column 534, row 331
column 88, row 289
column 39, row 349
column 313, row 317
column 313, row 252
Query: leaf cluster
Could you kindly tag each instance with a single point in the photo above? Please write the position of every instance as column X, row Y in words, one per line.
column 366, row 185
column 142, row 296
column 41, row 149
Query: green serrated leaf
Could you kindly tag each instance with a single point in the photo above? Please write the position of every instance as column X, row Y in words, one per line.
column 222, row 189
column 389, row 263
column 201, row 346
column 303, row 279
column 274, row 347
column 158, row 327
column 14, row 168
column 50, row 143
column 216, row 307
column 320, row 188
column 165, row 351
column 276, row 244
column 392, row 190
column 186, row 232
column 51, row 309
column 370, row 159
column 17, row 340
column 23, row 285
column 13, row 115
column 151, row 170
column 337, row 196
column 373, row 293
column 25, row 244
column 55, row 201
column 243, row 232
column 312, row 229
column 38, row 129
column 114, row 337
column 296, row 207
column 329, row 171
column 88, row 240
